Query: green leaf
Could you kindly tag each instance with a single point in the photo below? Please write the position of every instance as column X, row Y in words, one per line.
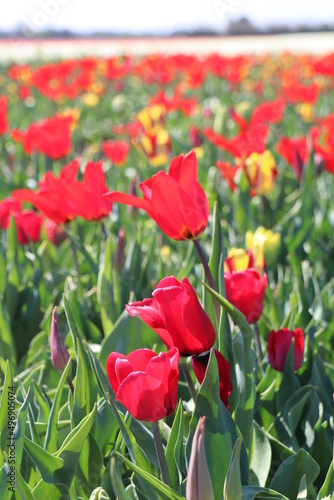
column 127, row 335
column 261, row 455
column 22, row 487
column 174, row 448
column 85, row 392
column 70, row 320
column 72, row 445
column 302, row 490
column 161, row 488
column 220, row 429
column 116, row 481
column 327, row 488
column 20, row 428
column 4, row 399
column 244, row 357
column 50, row 444
column 7, row 348
column 289, row 474
column 5, row 493
column 253, row 492
column 232, row 485
column 48, row 465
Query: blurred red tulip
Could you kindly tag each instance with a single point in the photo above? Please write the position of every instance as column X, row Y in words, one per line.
column 51, row 136
column 8, row 206
column 3, row 114
column 116, row 151
column 279, row 343
column 28, row 226
column 176, row 201
column 145, row 383
column 177, row 316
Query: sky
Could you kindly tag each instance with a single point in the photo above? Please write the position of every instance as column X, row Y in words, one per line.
column 153, row 16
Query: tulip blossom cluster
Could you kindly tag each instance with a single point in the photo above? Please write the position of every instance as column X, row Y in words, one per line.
column 176, row 315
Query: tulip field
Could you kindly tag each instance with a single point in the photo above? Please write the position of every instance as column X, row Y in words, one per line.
column 166, row 278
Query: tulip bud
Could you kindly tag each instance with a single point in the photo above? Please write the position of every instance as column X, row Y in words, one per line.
column 59, row 352
column 120, row 251
column 199, row 486
column 54, row 232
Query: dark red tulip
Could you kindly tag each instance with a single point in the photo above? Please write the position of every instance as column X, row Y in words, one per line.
column 279, row 344
column 200, row 363
column 176, row 201
column 176, row 315
column 145, row 383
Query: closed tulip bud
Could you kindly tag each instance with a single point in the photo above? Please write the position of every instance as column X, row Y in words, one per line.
column 199, row 485
column 279, row 344
column 54, row 232
column 265, row 240
column 59, row 352
column 120, row 251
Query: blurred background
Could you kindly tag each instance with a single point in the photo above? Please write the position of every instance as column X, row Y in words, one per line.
column 64, row 18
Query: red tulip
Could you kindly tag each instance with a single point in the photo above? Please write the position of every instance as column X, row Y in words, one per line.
column 177, row 316
column 116, row 151
column 8, row 206
column 51, row 136
column 146, row 384
column 295, row 151
column 245, row 290
column 279, row 344
column 200, row 363
column 56, row 198
column 28, row 226
column 176, row 201
column 64, row 198
column 3, row 114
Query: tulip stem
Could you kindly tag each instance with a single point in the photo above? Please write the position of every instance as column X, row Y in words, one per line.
column 209, row 277
column 160, row 454
column 258, row 343
column 189, row 381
